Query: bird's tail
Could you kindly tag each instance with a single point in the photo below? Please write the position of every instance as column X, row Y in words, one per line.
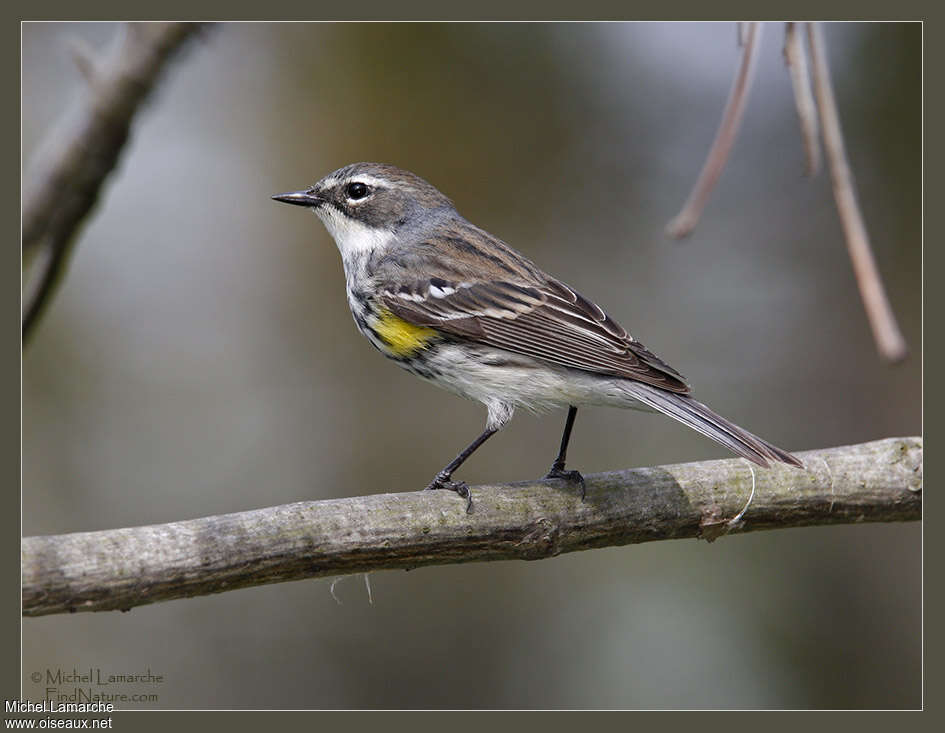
column 699, row 417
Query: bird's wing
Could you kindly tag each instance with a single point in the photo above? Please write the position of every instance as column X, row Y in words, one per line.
column 544, row 319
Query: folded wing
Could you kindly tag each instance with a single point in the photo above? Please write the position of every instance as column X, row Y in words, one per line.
column 546, row 320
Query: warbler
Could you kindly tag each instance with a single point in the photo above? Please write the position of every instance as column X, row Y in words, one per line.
column 458, row 307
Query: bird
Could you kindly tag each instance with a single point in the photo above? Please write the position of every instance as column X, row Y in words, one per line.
column 458, row 307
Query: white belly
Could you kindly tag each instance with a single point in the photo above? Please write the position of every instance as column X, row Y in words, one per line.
column 504, row 381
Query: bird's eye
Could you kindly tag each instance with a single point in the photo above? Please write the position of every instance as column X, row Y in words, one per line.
column 357, row 190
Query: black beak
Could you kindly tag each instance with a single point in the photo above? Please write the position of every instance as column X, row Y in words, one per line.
column 300, row 198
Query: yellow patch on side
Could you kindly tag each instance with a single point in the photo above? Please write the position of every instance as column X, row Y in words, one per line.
column 402, row 337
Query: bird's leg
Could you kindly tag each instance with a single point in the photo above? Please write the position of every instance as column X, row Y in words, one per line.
column 443, row 479
column 557, row 468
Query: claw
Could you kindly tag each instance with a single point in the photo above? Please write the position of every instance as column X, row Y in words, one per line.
column 442, row 481
column 569, row 476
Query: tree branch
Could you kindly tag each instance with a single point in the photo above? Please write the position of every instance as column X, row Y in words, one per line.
column 685, row 221
column 118, row 569
column 76, row 158
column 796, row 59
column 889, row 339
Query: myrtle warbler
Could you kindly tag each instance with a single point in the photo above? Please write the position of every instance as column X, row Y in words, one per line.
column 460, row 308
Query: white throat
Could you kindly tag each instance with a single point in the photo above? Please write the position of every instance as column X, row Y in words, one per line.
column 351, row 236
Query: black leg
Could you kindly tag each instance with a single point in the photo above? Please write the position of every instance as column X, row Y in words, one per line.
column 558, row 465
column 557, row 468
column 442, row 479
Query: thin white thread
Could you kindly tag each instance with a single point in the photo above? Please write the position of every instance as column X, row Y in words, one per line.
column 367, row 584
column 331, row 590
column 733, row 522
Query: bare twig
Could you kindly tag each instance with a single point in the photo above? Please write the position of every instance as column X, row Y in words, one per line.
column 118, row 569
column 685, row 221
column 795, row 56
column 886, row 331
column 741, row 33
column 64, row 182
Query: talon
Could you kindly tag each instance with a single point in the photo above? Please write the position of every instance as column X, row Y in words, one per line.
column 463, row 490
column 442, row 481
column 569, row 476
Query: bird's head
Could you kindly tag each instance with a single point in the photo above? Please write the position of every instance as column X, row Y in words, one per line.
column 365, row 206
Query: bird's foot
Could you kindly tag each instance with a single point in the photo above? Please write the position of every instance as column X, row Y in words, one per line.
column 442, row 481
column 574, row 477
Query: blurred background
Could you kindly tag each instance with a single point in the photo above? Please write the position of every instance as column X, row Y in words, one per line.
column 200, row 359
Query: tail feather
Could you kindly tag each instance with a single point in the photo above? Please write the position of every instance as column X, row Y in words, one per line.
column 697, row 416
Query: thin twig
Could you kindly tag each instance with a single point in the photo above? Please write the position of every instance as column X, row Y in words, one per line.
column 741, row 33
column 795, row 56
column 121, row 568
column 76, row 158
column 889, row 339
column 685, row 221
